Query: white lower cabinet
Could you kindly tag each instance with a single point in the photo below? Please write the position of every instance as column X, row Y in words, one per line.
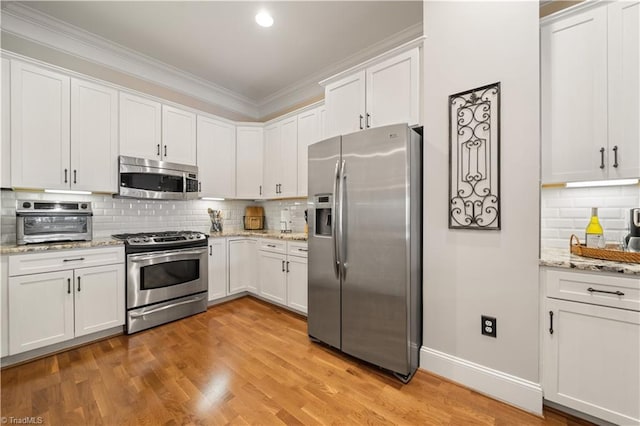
column 217, row 268
column 53, row 307
column 591, row 351
column 283, row 273
column 243, row 255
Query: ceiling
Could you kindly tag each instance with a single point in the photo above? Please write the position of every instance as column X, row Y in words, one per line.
column 220, row 43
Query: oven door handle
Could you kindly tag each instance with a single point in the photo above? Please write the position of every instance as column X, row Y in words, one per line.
column 157, row 255
column 163, row 308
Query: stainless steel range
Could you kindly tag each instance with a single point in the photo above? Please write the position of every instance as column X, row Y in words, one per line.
column 167, row 277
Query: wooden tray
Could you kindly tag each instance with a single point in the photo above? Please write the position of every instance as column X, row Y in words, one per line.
column 610, row 253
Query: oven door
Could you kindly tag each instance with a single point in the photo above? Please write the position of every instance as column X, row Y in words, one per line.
column 151, row 182
column 42, row 228
column 163, row 275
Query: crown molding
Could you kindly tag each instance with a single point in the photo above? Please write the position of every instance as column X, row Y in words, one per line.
column 35, row 26
column 310, row 87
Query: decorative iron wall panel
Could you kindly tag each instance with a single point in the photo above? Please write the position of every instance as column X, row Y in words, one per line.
column 474, row 158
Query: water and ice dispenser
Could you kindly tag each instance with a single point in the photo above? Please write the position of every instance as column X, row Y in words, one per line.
column 323, row 219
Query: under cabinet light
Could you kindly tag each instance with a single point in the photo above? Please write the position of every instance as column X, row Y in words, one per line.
column 614, row 182
column 212, row 199
column 264, row 19
column 67, row 191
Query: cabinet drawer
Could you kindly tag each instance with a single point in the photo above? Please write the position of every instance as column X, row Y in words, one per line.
column 297, row 249
column 274, row 246
column 615, row 292
column 36, row 263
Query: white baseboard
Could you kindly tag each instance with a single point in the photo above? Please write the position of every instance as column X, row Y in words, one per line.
column 496, row 384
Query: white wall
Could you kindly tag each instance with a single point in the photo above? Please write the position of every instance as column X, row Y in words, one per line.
column 470, row 273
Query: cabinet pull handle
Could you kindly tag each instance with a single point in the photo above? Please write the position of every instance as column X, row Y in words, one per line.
column 260, row 189
column 158, row 151
column 210, row 250
column 593, row 290
column 199, row 186
column 68, row 285
column 283, row 266
column 75, row 176
column 271, row 245
column 165, row 150
column 65, row 176
column 77, row 259
column 615, row 156
column 368, row 123
column 78, row 283
column 550, row 322
column 361, row 117
column 287, row 266
column 305, row 250
column 602, row 158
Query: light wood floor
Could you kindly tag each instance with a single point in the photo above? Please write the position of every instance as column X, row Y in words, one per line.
column 243, row 362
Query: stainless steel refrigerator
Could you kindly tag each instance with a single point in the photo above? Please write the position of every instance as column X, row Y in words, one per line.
column 365, row 239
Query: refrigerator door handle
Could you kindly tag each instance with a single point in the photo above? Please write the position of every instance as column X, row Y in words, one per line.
column 334, row 212
column 341, row 236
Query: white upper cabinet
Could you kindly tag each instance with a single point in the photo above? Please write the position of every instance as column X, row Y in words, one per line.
column 590, row 91
column 309, row 123
column 385, row 92
column 281, row 158
column 624, row 89
column 178, row 135
column 5, row 147
column 94, row 137
column 393, row 94
column 216, row 158
column 140, row 127
column 249, row 157
column 40, row 127
column 345, row 102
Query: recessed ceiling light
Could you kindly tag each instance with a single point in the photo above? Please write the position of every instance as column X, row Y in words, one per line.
column 264, row 19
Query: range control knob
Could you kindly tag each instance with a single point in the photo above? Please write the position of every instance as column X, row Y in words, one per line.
column 26, row 205
column 191, row 236
column 83, row 206
column 146, row 239
column 135, row 240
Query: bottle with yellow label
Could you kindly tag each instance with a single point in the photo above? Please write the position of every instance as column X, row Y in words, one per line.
column 594, row 234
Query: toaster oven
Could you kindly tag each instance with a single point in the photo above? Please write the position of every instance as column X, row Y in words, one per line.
column 49, row 221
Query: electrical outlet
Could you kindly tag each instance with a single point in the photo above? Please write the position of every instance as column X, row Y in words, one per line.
column 489, row 325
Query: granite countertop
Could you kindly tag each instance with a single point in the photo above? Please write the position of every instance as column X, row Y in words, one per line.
column 291, row 236
column 67, row 245
column 562, row 258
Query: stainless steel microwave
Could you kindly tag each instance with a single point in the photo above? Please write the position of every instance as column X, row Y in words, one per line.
column 49, row 221
column 160, row 180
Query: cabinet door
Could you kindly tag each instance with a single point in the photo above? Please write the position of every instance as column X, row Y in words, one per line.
column 40, row 127
column 99, row 298
column 40, row 310
column 574, row 97
column 624, row 89
column 393, row 92
column 217, row 268
column 308, row 133
column 591, row 360
column 345, row 103
column 5, row 143
column 297, row 283
column 178, row 136
column 289, row 158
column 140, row 130
column 242, row 266
column 94, row 137
column 273, row 279
column 216, row 158
column 249, row 162
column 322, row 123
column 272, row 160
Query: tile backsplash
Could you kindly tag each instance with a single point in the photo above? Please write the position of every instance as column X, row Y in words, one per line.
column 116, row 215
column 566, row 211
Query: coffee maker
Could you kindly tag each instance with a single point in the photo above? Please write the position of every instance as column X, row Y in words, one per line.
column 634, row 223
